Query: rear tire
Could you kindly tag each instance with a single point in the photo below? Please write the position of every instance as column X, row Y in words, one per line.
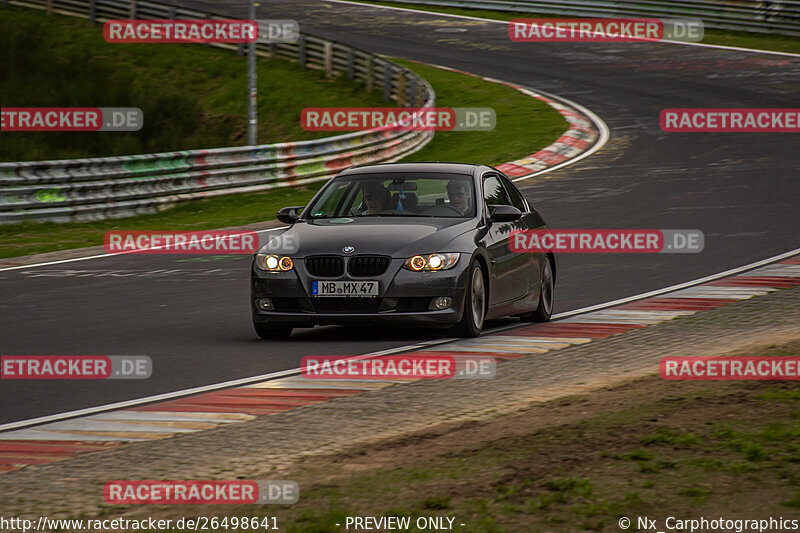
column 545, row 309
column 471, row 323
column 266, row 331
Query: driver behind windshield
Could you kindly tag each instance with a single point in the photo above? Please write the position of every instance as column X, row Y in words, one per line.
column 458, row 192
column 376, row 198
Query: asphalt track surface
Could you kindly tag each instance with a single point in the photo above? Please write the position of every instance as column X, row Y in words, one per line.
column 191, row 314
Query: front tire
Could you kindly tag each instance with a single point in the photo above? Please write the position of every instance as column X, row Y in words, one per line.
column 266, row 331
column 471, row 323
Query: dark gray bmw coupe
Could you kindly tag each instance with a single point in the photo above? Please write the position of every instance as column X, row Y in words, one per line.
column 409, row 243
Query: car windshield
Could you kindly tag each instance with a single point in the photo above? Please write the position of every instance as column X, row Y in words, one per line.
column 390, row 195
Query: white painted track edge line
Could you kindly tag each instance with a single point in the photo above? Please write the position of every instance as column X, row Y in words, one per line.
column 148, row 399
column 679, row 286
column 481, row 19
column 602, row 128
column 138, row 252
column 293, row 372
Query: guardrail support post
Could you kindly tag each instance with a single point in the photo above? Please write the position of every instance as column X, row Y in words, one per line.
column 133, row 9
column 370, row 73
column 173, row 12
column 301, row 51
column 49, row 7
column 388, row 74
column 351, row 60
column 412, row 91
column 272, row 47
column 401, row 89
column 93, row 10
column 328, row 59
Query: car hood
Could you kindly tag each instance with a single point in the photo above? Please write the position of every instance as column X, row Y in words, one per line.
column 398, row 238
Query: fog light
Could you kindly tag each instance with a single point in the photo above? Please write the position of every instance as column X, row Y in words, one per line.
column 442, row 302
column 264, row 304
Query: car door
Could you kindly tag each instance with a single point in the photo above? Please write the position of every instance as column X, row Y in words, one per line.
column 530, row 220
column 510, row 272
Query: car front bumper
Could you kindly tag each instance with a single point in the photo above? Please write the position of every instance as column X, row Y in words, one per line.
column 404, row 298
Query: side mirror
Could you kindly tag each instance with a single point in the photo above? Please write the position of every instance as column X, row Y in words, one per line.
column 504, row 213
column 289, row 215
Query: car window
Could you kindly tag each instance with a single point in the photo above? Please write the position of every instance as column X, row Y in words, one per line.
column 493, row 191
column 331, row 200
column 409, row 194
column 517, row 200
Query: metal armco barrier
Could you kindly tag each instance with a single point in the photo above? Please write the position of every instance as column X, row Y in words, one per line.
column 779, row 17
column 110, row 187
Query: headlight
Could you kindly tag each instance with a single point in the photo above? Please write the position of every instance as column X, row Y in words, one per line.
column 431, row 262
column 274, row 263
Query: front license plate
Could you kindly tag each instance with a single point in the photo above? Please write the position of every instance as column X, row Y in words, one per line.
column 344, row 288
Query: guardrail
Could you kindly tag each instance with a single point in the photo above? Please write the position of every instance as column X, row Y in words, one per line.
column 98, row 188
column 759, row 16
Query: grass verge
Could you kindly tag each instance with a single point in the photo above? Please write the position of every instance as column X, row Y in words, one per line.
column 647, row 448
column 778, row 43
column 192, row 96
column 524, row 125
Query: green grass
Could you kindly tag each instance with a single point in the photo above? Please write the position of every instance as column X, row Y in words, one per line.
column 233, row 210
column 192, row 96
column 779, row 43
column 553, row 478
column 524, row 125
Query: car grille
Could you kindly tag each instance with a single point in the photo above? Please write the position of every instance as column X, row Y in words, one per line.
column 346, row 305
column 325, row 266
column 367, row 265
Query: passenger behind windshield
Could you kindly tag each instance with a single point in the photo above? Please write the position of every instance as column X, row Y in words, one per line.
column 408, row 195
column 376, row 198
column 458, row 192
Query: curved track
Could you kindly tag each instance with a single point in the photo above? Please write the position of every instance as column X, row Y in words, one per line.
column 191, row 314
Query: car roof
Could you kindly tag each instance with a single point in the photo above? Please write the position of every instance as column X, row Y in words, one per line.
column 449, row 168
